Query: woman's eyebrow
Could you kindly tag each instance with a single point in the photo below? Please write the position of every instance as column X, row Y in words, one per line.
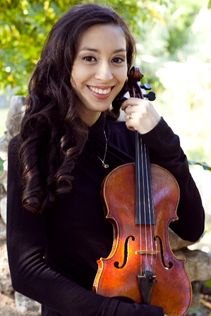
column 97, row 50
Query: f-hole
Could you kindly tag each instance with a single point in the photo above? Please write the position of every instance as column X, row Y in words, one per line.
column 170, row 264
column 116, row 263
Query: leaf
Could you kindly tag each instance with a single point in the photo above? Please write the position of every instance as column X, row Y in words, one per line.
column 208, row 283
column 204, row 165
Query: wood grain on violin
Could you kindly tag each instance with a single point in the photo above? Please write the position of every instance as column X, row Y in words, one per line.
column 136, row 251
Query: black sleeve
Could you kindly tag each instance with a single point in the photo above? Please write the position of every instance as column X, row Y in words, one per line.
column 165, row 150
column 30, row 274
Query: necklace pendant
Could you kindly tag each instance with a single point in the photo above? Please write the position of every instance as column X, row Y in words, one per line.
column 105, row 165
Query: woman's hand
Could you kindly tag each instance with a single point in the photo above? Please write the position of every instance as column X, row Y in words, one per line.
column 141, row 116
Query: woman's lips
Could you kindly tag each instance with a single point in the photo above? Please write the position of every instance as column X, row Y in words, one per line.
column 100, row 92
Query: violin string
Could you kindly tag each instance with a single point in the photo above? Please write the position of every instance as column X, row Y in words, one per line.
column 151, row 213
column 149, row 197
column 148, row 206
column 146, row 203
column 139, row 202
column 154, row 241
column 143, row 166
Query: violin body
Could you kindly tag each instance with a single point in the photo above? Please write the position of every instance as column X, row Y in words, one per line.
column 119, row 274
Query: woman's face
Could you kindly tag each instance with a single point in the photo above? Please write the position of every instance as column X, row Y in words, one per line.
column 99, row 70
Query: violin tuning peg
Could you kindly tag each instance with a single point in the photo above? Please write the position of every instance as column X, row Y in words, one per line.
column 146, row 86
column 150, row 96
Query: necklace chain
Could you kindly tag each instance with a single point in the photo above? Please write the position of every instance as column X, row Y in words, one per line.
column 105, row 165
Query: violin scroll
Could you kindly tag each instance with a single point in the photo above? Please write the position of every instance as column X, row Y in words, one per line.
column 134, row 85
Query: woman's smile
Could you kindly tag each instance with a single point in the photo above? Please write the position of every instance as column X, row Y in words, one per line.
column 99, row 70
column 100, row 93
column 100, row 90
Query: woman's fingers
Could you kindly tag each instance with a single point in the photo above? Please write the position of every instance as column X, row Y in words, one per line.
column 140, row 115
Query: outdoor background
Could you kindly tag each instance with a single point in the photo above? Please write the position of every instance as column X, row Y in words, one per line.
column 173, row 51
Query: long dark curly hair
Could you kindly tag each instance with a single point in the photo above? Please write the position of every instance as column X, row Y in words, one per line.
column 52, row 134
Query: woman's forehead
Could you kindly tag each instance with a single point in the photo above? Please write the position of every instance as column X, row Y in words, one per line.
column 101, row 35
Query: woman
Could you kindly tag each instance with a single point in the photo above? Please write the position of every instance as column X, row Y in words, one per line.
column 69, row 141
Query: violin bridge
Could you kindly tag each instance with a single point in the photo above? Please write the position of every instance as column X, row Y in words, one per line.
column 152, row 276
column 146, row 252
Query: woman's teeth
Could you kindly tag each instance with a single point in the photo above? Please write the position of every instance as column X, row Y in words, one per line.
column 100, row 91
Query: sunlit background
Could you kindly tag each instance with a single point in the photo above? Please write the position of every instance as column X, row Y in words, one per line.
column 173, row 51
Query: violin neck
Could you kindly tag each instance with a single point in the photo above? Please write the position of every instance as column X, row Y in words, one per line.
column 144, row 197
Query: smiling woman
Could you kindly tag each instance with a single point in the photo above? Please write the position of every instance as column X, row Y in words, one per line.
column 70, row 140
column 99, row 70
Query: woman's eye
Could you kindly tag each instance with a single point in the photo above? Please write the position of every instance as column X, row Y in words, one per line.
column 118, row 60
column 89, row 59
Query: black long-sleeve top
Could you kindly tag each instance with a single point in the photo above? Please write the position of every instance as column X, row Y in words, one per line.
column 52, row 257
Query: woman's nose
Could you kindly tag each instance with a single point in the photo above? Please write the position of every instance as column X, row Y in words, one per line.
column 104, row 72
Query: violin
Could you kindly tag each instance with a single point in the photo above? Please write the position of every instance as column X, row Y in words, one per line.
column 140, row 201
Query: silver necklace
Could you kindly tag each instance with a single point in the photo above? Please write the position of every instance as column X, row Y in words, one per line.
column 105, row 165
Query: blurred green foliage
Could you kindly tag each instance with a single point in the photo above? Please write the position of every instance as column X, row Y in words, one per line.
column 179, row 21
column 1, row 167
column 208, row 283
column 204, row 165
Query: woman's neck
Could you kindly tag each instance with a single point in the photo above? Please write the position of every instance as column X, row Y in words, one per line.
column 90, row 119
